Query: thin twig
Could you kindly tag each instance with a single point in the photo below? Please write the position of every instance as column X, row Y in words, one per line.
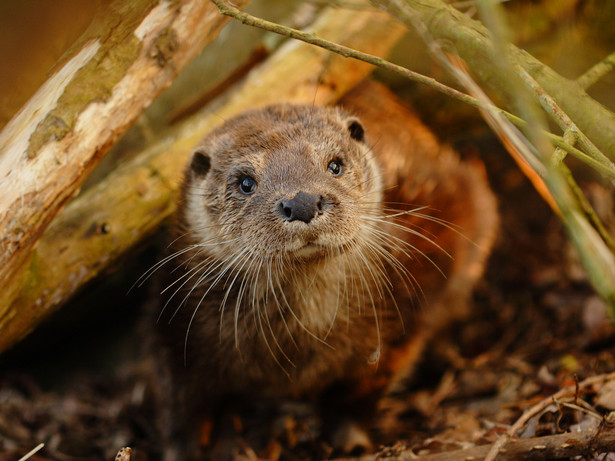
column 597, row 71
column 32, row 452
column 568, row 445
column 245, row 18
column 563, row 120
column 582, row 407
column 539, row 407
column 559, row 154
column 561, row 143
column 226, row 9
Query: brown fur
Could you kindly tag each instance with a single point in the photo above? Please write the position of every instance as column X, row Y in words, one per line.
column 336, row 320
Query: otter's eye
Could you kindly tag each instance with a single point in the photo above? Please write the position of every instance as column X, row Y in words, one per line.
column 335, row 167
column 247, row 185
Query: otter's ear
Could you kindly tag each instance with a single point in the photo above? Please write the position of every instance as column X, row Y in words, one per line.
column 355, row 129
column 201, row 163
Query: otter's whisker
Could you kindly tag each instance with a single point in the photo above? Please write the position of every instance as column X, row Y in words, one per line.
column 416, row 213
column 207, row 272
column 412, row 247
column 280, row 270
column 298, row 320
column 188, row 275
column 246, row 258
column 262, row 312
column 376, row 356
column 380, row 256
column 402, row 272
column 147, row 274
column 249, row 273
column 200, row 301
column 337, row 299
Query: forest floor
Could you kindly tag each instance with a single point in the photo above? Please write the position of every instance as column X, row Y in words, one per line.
column 536, row 328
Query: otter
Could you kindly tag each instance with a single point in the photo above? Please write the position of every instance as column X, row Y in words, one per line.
column 316, row 250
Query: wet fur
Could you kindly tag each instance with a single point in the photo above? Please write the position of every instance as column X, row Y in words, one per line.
column 250, row 311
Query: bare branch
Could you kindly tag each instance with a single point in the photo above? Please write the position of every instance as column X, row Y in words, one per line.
column 563, row 120
column 598, row 71
column 539, row 407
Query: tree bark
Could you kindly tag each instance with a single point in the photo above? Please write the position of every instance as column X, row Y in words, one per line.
column 97, row 228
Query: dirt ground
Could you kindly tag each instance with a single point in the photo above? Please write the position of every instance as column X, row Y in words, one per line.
column 78, row 386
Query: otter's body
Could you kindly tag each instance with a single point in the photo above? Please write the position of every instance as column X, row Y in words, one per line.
column 305, row 256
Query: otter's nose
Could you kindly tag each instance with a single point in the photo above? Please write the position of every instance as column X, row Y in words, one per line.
column 302, row 207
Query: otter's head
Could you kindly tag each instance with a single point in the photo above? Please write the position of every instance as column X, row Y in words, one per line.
column 293, row 183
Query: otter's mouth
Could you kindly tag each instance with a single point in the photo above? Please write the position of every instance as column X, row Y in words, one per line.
column 315, row 250
column 317, row 246
column 310, row 249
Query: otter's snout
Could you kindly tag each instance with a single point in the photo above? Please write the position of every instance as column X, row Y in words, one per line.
column 302, row 207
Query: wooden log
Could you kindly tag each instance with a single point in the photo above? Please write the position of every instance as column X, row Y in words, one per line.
column 126, row 58
column 97, row 228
